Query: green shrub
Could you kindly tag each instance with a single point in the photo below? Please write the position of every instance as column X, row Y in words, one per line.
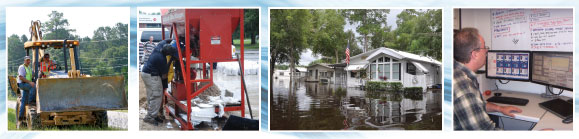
column 413, row 93
column 384, row 86
column 396, row 86
column 413, row 90
column 372, row 85
column 397, row 97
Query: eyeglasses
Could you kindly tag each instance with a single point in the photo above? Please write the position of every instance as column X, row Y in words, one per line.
column 486, row 47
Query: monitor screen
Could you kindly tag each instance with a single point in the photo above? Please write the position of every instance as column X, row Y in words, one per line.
column 553, row 68
column 508, row 65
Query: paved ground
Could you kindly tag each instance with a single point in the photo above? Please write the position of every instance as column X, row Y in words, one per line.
column 220, row 80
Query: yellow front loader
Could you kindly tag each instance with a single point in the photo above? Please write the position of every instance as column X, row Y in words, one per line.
column 67, row 96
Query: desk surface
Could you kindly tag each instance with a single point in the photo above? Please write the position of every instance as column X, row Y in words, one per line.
column 533, row 110
column 550, row 120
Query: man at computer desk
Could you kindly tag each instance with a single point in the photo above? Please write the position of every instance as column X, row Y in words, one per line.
column 470, row 110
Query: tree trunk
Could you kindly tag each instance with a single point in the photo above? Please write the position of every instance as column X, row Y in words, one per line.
column 272, row 62
column 271, row 67
column 337, row 59
column 365, row 42
column 291, row 56
column 252, row 38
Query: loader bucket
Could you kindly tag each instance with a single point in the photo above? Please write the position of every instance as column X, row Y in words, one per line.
column 81, row 94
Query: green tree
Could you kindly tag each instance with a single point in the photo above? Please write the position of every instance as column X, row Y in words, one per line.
column 381, row 37
column 290, row 30
column 329, row 38
column 251, row 23
column 420, row 32
column 16, row 55
column 351, row 40
column 368, row 21
column 106, row 52
column 23, row 38
column 56, row 28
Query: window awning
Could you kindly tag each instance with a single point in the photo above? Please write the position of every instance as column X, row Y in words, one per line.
column 420, row 66
column 354, row 67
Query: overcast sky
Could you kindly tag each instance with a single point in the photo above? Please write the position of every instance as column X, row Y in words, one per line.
column 84, row 19
column 390, row 21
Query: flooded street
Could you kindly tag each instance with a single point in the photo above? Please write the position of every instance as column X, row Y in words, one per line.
column 315, row 106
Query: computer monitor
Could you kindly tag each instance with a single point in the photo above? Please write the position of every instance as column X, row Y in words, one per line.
column 553, row 68
column 508, row 65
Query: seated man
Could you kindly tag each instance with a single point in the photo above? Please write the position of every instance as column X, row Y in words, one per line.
column 46, row 66
column 470, row 110
column 27, row 86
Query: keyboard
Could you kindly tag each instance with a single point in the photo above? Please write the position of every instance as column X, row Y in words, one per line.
column 558, row 107
column 508, row 100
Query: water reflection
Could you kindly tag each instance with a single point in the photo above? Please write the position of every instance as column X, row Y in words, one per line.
column 298, row 105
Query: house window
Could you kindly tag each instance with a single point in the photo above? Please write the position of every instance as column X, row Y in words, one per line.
column 373, row 70
column 385, row 69
column 396, row 71
column 281, row 73
column 381, row 71
column 387, row 72
column 410, row 68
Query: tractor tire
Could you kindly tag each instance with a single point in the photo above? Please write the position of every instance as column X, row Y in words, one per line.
column 33, row 120
column 102, row 119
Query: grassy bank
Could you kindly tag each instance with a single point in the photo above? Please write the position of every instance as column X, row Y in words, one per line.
column 246, row 44
column 125, row 111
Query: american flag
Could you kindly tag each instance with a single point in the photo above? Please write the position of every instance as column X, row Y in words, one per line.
column 348, row 53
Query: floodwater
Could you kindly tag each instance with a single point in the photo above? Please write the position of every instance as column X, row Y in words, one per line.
column 315, row 106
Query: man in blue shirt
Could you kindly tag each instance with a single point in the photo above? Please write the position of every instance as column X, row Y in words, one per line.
column 154, row 75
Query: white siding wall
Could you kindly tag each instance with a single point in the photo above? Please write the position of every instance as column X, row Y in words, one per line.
column 354, row 82
column 421, row 79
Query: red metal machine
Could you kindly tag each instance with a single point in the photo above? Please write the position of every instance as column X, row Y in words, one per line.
column 207, row 34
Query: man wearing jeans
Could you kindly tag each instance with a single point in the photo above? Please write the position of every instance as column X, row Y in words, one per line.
column 154, row 75
column 26, row 84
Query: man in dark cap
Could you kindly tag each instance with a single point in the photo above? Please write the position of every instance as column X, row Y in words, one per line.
column 154, row 75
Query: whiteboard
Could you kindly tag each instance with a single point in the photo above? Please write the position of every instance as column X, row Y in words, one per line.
column 532, row 29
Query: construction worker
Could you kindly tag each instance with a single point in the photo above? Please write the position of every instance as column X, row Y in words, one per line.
column 154, row 75
column 46, row 66
column 26, row 85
